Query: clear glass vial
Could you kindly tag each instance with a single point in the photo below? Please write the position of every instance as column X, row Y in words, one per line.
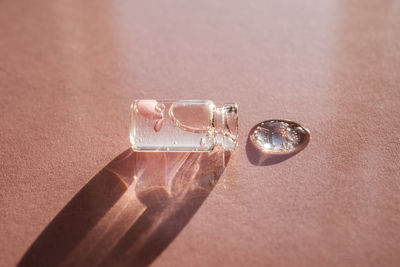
column 183, row 125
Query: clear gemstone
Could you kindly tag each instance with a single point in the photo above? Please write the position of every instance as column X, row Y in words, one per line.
column 279, row 136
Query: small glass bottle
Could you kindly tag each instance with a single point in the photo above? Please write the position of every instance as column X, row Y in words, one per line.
column 183, row 125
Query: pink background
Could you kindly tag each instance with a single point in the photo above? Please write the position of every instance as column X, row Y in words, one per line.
column 69, row 70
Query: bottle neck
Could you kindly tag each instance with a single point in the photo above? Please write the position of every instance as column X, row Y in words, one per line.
column 226, row 126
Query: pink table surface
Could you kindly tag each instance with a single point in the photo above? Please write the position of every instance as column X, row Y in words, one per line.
column 69, row 70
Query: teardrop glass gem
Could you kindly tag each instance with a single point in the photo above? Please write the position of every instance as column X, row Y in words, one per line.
column 279, row 136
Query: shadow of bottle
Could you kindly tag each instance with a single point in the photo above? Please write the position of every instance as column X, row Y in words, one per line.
column 81, row 214
column 170, row 202
column 172, row 186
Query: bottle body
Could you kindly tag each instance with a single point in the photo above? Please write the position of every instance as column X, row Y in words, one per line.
column 182, row 125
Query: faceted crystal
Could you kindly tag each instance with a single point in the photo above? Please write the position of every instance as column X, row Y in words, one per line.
column 279, row 136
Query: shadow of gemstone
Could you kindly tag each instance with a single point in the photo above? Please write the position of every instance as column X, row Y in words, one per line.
column 168, row 211
column 81, row 214
column 260, row 158
column 154, row 196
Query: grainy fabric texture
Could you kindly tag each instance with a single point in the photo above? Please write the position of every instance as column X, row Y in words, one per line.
column 70, row 69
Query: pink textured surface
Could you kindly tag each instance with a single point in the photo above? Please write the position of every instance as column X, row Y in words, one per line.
column 69, row 70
